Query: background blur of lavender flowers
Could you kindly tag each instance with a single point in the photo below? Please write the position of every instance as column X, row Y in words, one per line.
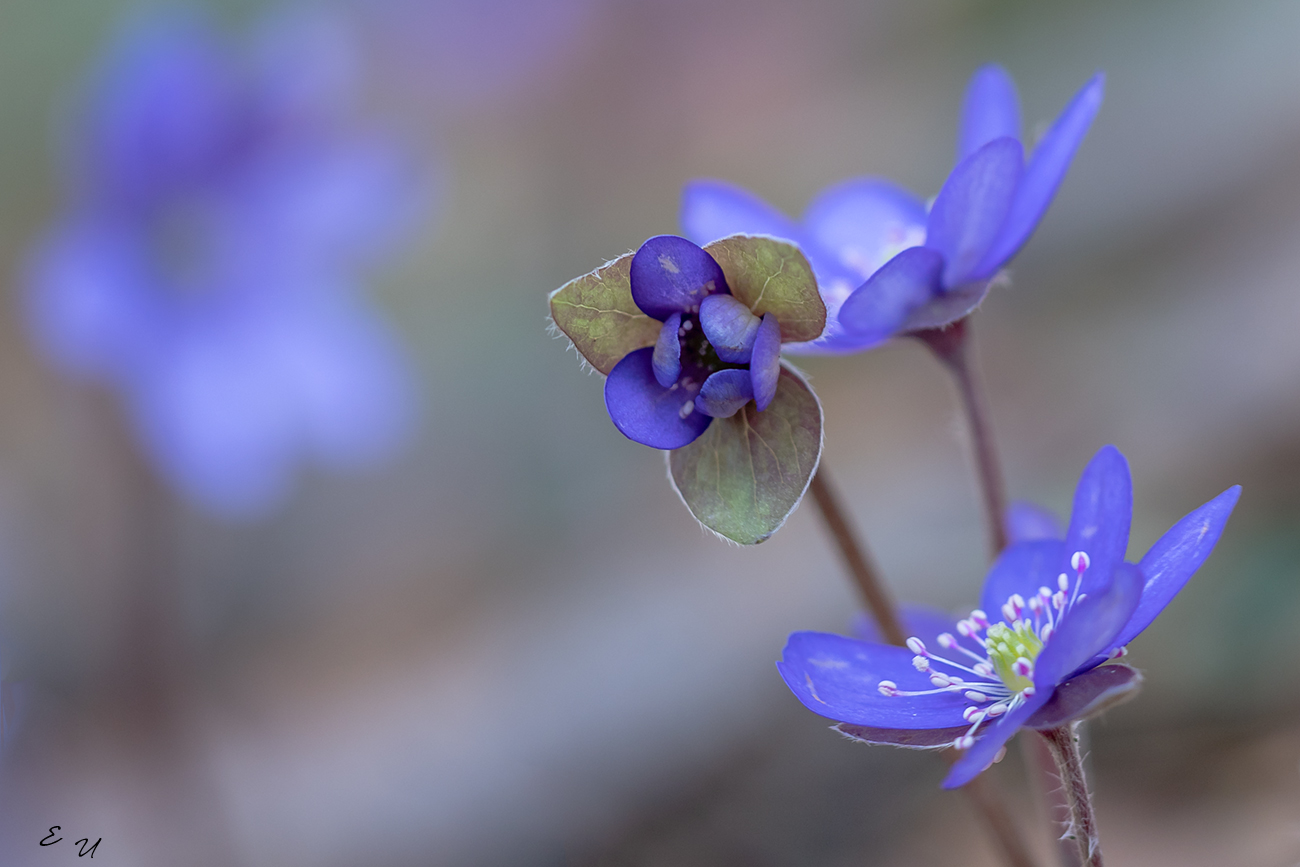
column 506, row 642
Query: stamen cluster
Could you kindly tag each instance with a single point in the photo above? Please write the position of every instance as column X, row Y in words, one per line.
column 999, row 656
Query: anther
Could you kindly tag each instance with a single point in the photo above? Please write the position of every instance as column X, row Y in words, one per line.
column 1080, row 561
column 920, row 663
column 972, row 695
column 983, row 669
column 916, row 645
column 1022, row 667
column 946, row 640
column 965, row 628
column 940, row 679
column 888, row 687
column 1028, row 691
column 687, row 409
column 971, row 713
column 1063, row 582
column 996, row 710
column 1046, row 633
column 980, row 619
column 1118, row 652
column 964, row 742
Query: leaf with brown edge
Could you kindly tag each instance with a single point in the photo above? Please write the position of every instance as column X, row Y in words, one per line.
column 772, row 276
column 597, row 313
column 745, row 474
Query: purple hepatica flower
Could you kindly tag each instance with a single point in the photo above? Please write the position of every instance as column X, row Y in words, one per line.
column 711, row 358
column 205, row 261
column 921, row 270
column 1052, row 612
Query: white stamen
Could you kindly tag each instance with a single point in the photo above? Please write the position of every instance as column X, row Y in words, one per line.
column 997, row 710
column 687, row 409
column 980, row 618
column 1080, row 561
column 946, row 640
column 970, row 713
column 972, row 695
column 888, row 687
column 1022, row 667
column 1118, row 652
column 1062, row 582
column 920, row 663
column 916, row 645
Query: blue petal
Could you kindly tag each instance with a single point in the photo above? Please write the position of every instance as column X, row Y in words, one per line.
column 991, row 110
column 765, row 364
column 839, row 677
column 980, row 756
column 918, row 620
column 1025, row 521
column 863, row 223
column 1103, row 508
column 724, row 393
column 880, row 306
column 1089, row 627
column 714, row 209
column 645, row 411
column 667, row 358
column 972, row 206
column 730, row 327
column 1022, row 568
column 1044, row 173
column 671, row 275
column 1175, row 557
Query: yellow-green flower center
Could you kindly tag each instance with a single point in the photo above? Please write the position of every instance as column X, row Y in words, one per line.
column 1008, row 646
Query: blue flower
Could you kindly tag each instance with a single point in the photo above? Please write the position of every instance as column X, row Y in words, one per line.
column 711, row 358
column 206, row 260
column 1052, row 612
column 921, row 270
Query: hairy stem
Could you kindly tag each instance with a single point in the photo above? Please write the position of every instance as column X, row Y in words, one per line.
column 952, row 346
column 856, row 558
column 982, row 794
column 1064, row 746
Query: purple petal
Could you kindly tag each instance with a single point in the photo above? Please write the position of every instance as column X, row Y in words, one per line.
column 714, row 209
column 839, row 677
column 972, row 207
column 980, row 756
column 863, row 223
column 1103, row 508
column 724, row 393
column 1026, row 521
column 918, row 620
column 645, row 411
column 1087, row 695
column 667, row 358
column 991, row 110
column 765, row 363
column 672, row 275
column 1044, row 173
column 1089, row 627
column 908, row 739
column 1175, row 557
column 730, row 327
column 880, row 306
column 1022, row 568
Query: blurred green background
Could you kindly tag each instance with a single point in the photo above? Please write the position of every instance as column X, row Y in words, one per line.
column 513, row 645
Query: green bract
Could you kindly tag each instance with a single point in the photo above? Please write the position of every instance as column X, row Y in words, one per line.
column 772, row 276
column 597, row 313
column 747, row 473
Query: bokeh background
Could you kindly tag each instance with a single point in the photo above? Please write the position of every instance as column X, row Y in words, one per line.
column 510, row 644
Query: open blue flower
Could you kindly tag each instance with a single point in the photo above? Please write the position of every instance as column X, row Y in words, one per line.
column 712, row 356
column 884, row 265
column 1052, row 612
column 205, row 265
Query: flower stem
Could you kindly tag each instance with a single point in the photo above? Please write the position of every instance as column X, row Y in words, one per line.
column 952, row 346
column 1064, row 746
column 983, row 796
column 856, row 558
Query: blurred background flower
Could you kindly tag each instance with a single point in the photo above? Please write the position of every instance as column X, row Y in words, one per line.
column 510, row 644
column 219, row 209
